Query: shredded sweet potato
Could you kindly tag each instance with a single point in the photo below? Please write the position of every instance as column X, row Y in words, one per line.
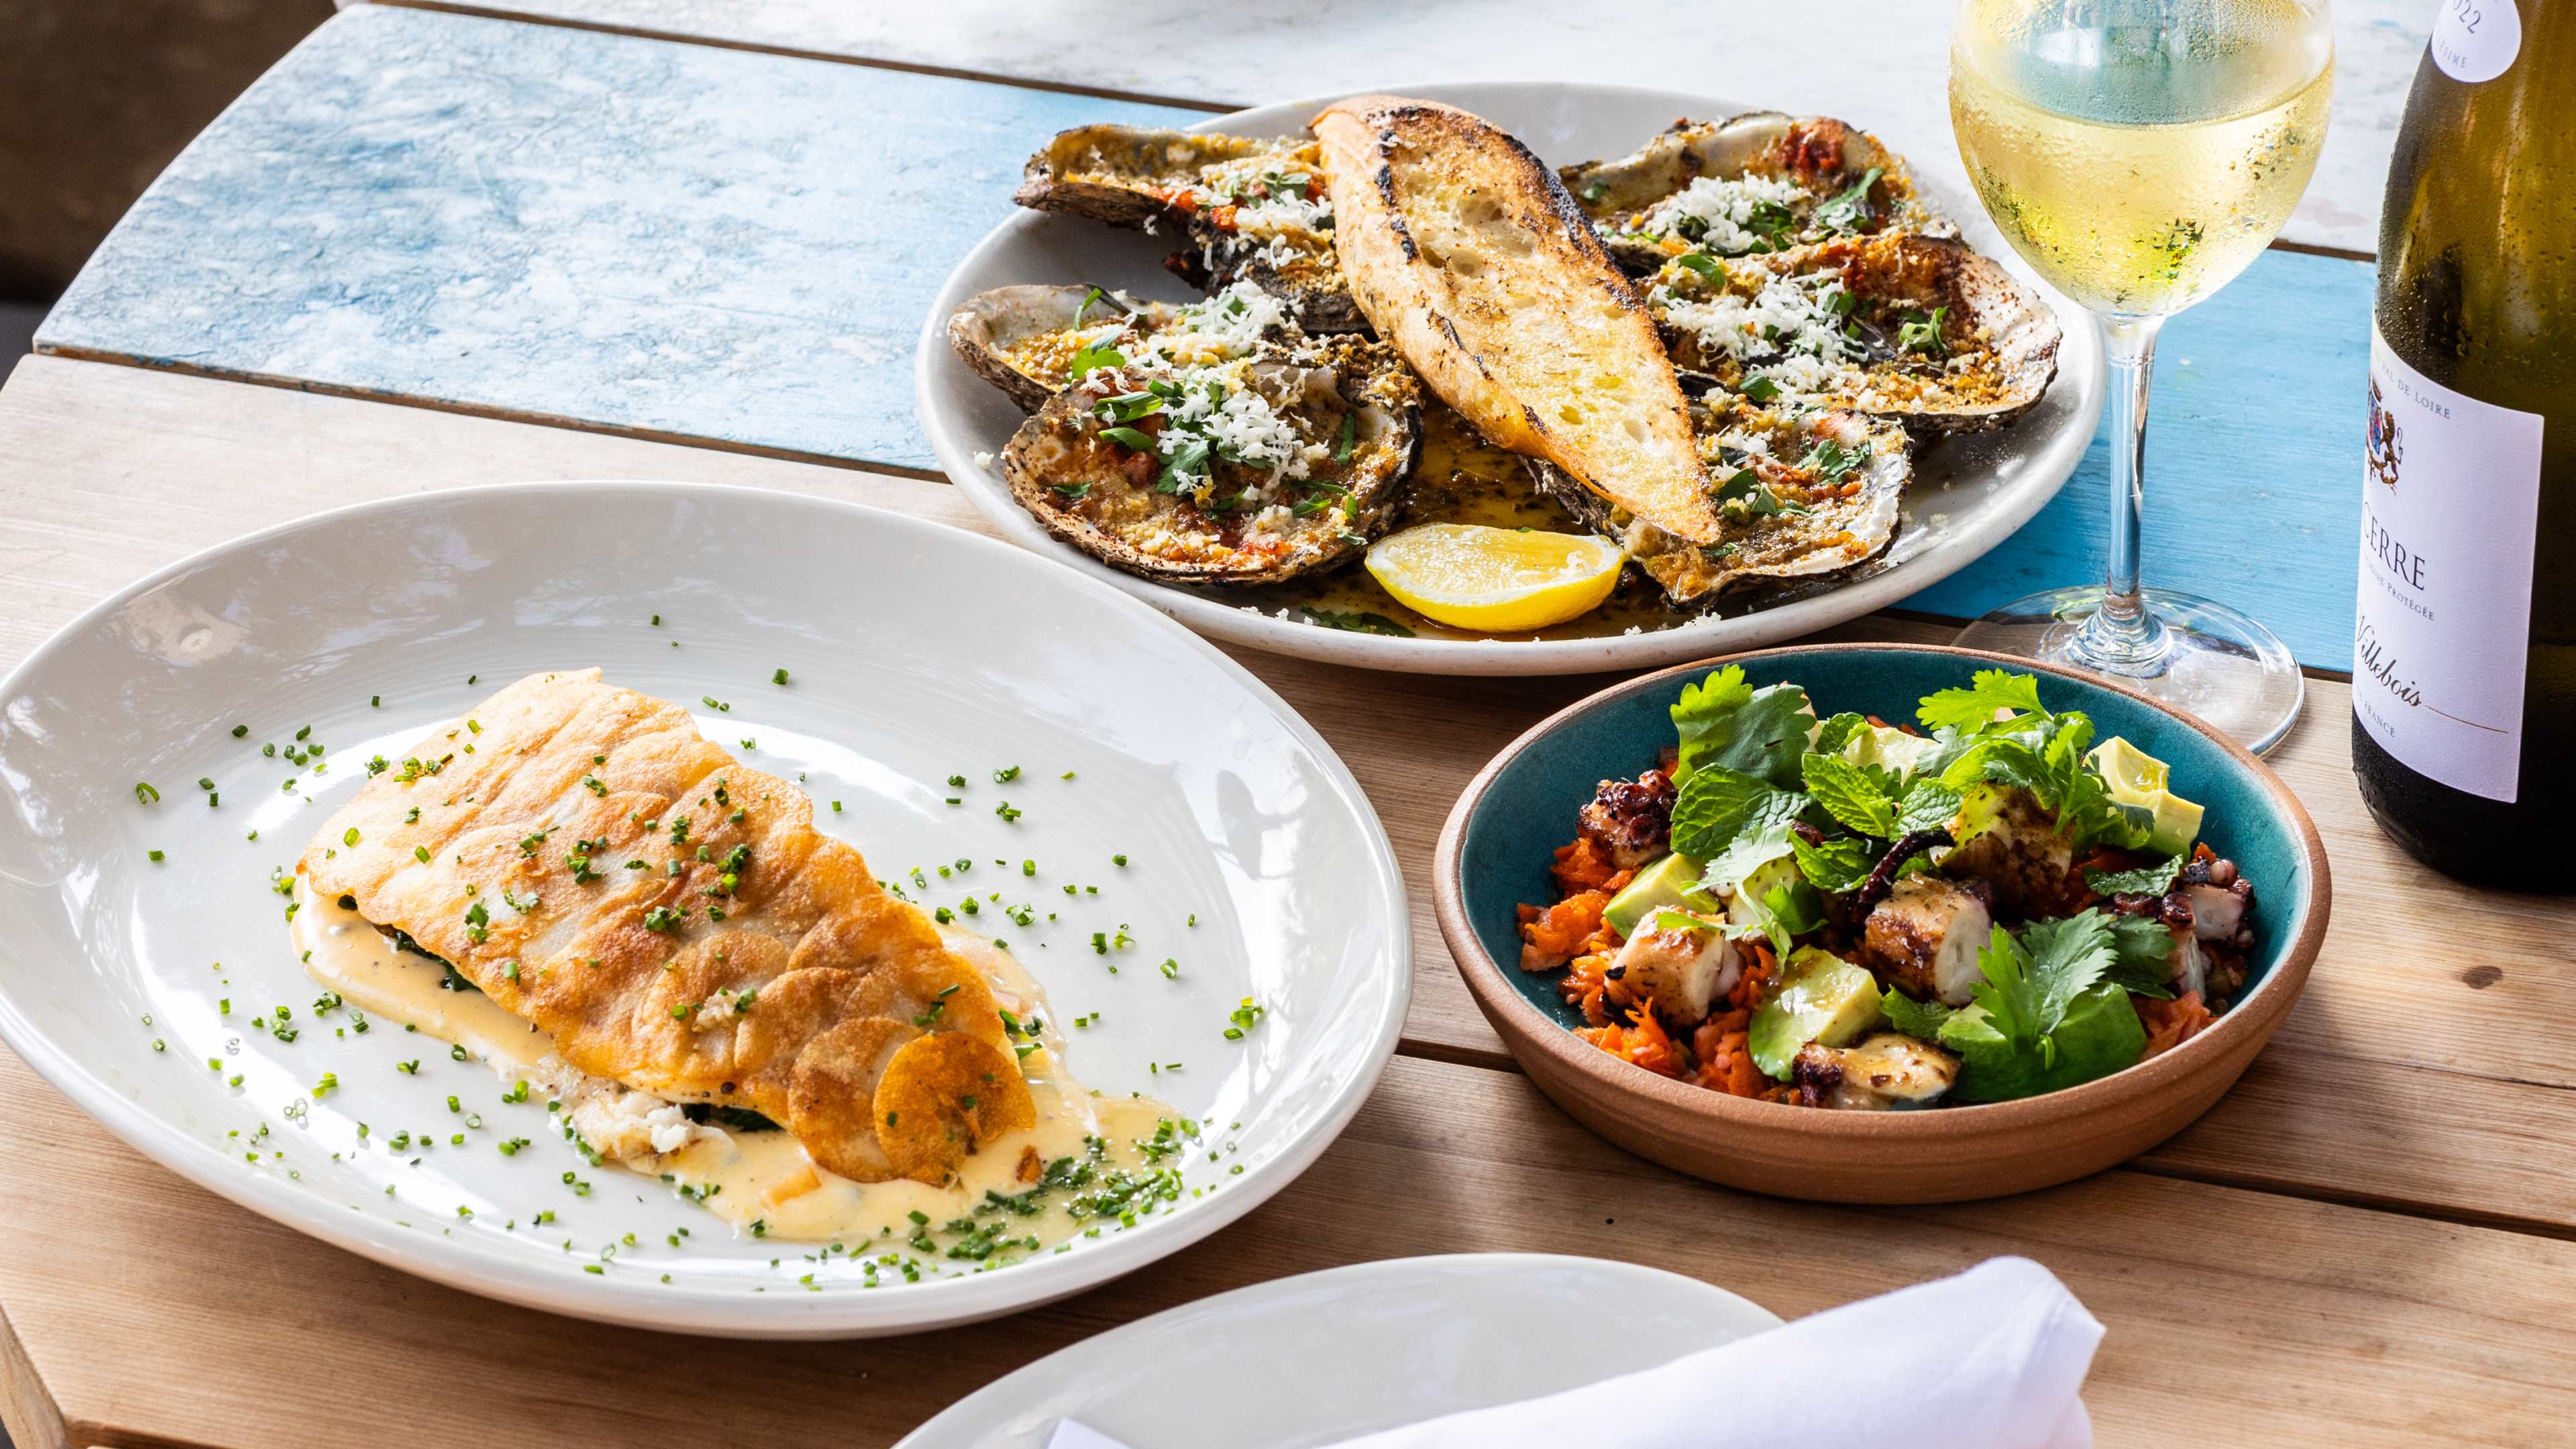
column 1587, row 982
column 1580, row 866
column 2171, row 1023
column 1725, row 1056
column 1552, row 936
column 1642, row 1040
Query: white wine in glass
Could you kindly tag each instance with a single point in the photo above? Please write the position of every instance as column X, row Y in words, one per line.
column 2139, row 154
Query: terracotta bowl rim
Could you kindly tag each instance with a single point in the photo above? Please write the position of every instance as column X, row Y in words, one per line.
column 1525, row 1028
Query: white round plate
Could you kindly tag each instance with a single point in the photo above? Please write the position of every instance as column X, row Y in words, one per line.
column 913, row 651
column 1325, row 1356
column 1968, row 493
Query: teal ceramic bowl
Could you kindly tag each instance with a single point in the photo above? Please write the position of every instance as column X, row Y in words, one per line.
column 1495, row 850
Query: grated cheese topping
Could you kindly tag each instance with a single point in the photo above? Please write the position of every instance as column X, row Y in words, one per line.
column 1798, row 318
column 1723, row 206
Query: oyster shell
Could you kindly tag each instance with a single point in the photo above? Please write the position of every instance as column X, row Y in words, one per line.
column 1339, row 425
column 1762, row 181
column 1916, row 328
column 1248, row 209
column 1022, row 339
column 1803, row 495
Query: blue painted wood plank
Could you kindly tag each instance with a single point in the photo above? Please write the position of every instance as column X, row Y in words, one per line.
column 633, row 233
column 739, row 247
column 2253, row 492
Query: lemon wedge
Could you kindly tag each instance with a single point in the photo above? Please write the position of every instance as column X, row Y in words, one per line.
column 1495, row 580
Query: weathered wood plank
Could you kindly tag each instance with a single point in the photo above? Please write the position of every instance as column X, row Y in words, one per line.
column 2407, row 1076
column 536, row 221
column 1779, row 56
column 705, row 244
column 2234, row 1317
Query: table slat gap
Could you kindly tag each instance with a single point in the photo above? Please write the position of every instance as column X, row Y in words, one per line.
column 836, row 57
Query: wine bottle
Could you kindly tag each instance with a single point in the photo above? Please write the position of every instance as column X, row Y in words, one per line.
column 2464, row 668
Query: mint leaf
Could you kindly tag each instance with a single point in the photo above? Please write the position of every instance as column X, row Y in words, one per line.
column 1841, row 864
column 1928, row 805
column 1972, row 710
column 2147, row 880
column 1760, row 732
column 2142, row 953
column 1727, row 869
column 1837, row 731
column 1914, row 1018
column 1851, row 795
column 1717, row 806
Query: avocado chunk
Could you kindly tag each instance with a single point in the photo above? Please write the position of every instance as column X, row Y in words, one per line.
column 1891, row 749
column 2141, row 781
column 1822, row 998
column 1671, row 883
column 1746, row 907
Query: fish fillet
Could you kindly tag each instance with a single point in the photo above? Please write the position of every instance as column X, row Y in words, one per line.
column 673, row 921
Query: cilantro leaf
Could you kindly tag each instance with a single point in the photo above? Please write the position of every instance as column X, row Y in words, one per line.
column 1972, row 710
column 1841, row 863
column 2010, row 998
column 1761, row 732
column 1914, row 1018
column 2146, row 880
column 1850, row 795
column 1702, row 713
column 2142, row 957
column 2101, row 1034
column 2067, row 956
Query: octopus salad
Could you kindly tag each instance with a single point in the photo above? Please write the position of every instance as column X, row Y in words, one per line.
column 1839, row 912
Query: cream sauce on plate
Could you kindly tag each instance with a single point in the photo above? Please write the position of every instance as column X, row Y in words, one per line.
column 762, row 1181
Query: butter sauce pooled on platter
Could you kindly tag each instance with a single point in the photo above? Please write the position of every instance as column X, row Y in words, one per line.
column 1025, row 1183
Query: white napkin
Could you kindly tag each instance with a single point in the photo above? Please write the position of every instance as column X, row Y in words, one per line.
column 1989, row 1359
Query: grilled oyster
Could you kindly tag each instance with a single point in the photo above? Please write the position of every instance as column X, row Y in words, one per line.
column 1916, row 328
column 1759, row 182
column 1250, row 209
column 1023, row 340
column 1253, row 469
column 1804, row 495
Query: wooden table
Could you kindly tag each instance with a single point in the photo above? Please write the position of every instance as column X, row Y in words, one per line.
column 2371, row 1241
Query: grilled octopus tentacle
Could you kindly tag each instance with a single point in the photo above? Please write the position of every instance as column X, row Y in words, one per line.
column 1883, row 879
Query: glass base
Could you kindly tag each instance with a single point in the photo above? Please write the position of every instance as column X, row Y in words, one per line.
column 2203, row 658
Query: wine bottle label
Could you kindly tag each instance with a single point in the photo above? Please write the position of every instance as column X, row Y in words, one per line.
column 2450, row 510
column 2476, row 40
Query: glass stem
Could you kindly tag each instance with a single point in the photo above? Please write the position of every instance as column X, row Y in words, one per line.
column 2122, row 637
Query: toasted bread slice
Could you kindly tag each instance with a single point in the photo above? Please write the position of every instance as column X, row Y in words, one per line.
column 1465, row 251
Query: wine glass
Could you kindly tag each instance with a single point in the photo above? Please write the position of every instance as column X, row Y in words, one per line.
column 2139, row 154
